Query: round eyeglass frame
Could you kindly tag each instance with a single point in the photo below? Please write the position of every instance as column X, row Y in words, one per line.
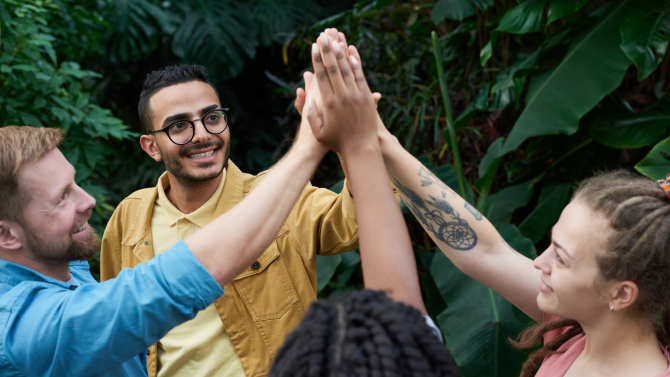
column 166, row 129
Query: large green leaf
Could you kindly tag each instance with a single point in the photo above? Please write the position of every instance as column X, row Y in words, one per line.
column 478, row 322
column 561, row 8
column 645, row 35
column 137, row 28
column 657, row 163
column 325, row 268
column 455, row 10
column 217, row 34
column 277, row 18
column 632, row 130
column 549, row 207
column 503, row 203
column 593, row 67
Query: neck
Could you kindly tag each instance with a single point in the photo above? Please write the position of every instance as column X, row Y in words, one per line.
column 618, row 340
column 188, row 196
column 57, row 270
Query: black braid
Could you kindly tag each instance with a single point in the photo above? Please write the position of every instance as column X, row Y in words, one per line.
column 365, row 334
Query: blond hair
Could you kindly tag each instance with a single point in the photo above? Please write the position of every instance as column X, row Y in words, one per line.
column 20, row 146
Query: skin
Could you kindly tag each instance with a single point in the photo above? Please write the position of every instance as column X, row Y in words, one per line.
column 346, row 122
column 192, row 181
column 57, row 208
column 564, row 280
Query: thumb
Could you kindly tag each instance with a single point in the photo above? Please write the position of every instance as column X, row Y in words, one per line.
column 315, row 119
column 299, row 100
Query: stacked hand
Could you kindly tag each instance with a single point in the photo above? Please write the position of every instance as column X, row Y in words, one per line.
column 312, row 88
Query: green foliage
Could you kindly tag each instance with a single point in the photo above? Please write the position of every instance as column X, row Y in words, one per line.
column 645, row 35
column 554, row 89
column 42, row 87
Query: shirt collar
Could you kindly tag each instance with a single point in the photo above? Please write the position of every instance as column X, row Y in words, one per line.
column 14, row 273
column 201, row 216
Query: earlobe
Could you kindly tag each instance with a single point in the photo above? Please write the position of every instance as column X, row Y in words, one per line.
column 9, row 237
column 149, row 145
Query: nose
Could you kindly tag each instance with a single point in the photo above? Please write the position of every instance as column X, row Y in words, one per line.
column 543, row 263
column 201, row 134
column 85, row 202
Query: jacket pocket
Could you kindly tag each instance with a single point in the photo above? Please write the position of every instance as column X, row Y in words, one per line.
column 265, row 287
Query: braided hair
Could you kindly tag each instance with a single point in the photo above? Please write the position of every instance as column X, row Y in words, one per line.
column 638, row 250
column 364, row 334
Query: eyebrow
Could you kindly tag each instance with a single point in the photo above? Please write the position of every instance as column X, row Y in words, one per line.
column 185, row 116
column 558, row 246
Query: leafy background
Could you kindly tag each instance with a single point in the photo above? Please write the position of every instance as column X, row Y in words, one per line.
column 505, row 102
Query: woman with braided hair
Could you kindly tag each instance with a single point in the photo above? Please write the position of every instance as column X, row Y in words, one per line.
column 366, row 333
column 598, row 290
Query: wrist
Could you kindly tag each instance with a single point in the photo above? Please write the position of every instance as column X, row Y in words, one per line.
column 360, row 150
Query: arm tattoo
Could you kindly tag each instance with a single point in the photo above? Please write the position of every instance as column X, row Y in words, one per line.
column 453, row 231
column 430, row 179
column 478, row 216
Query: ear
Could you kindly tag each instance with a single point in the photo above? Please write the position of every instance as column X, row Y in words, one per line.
column 150, row 145
column 623, row 295
column 10, row 235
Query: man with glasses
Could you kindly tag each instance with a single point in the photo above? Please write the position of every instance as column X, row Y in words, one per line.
column 186, row 128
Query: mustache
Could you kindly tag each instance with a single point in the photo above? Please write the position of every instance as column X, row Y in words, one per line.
column 190, row 149
column 87, row 216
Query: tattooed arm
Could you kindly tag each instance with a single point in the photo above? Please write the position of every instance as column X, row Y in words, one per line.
column 460, row 231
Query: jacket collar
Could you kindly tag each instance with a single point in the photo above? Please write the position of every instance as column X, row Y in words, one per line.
column 233, row 191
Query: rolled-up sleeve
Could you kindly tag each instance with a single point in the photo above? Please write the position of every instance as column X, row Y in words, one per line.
column 51, row 331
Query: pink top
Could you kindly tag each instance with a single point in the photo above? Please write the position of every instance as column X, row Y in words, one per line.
column 558, row 365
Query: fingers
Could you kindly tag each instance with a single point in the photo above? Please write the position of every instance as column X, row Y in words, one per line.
column 358, row 74
column 308, row 76
column 376, row 96
column 299, row 100
column 322, row 79
column 330, row 51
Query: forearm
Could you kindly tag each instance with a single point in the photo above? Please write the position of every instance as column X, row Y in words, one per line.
column 386, row 252
column 458, row 229
column 231, row 243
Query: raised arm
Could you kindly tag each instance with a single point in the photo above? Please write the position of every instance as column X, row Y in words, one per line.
column 347, row 124
column 460, row 231
column 231, row 243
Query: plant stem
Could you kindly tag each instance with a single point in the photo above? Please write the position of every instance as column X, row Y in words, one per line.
column 450, row 119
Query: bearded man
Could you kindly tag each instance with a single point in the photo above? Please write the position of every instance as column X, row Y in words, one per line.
column 56, row 320
column 186, row 127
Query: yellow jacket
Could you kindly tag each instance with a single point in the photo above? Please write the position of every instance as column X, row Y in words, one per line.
column 261, row 306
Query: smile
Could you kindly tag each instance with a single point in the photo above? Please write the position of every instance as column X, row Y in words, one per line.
column 202, row 155
column 81, row 228
column 545, row 288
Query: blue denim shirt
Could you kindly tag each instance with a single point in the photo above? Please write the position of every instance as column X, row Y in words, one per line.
column 49, row 328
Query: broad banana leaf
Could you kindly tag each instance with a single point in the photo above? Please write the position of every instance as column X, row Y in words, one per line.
column 632, row 130
column 549, row 207
column 657, row 163
column 645, row 35
column 478, row 322
column 593, row 67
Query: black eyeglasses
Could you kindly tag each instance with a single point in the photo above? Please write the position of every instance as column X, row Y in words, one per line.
column 182, row 131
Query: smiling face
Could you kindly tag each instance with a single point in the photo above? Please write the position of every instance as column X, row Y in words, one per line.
column 205, row 156
column 571, row 279
column 56, row 217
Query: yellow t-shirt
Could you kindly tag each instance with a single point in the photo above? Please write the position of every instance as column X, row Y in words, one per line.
column 201, row 346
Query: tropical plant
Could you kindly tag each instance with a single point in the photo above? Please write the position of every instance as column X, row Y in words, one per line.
column 535, row 89
column 42, row 86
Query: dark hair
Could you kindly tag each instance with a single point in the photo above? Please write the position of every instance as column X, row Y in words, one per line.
column 638, row 250
column 364, row 334
column 163, row 78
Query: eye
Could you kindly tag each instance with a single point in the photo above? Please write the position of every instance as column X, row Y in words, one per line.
column 64, row 197
column 179, row 126
column 214, row 117
column 558, row 258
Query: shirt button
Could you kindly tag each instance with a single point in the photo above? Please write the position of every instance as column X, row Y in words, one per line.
column 256, row 265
